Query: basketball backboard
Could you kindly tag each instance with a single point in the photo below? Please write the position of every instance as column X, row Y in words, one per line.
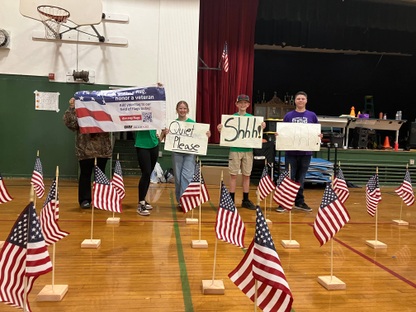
column 82, row 12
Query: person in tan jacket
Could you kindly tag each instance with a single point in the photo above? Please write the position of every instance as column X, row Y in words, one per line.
column 88, row 146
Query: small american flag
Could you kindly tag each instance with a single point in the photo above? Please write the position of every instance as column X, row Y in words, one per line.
column 229, row 226
column 261, row 263
column 224, row 57
column 340, row 187
column 37, row 179
column 4, row 194
column 196, row 193
column 105, row 195
column 266, row 185
column 405, row 191
column 24, row 254
column 49, row 216
column 373, row 195
column 286, row 191
column 331, row 217
column 117, row 180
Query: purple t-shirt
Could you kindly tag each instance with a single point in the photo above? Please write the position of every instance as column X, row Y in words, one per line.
column 303, row 117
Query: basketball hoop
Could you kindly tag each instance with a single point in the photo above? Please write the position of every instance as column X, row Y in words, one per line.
column 52, row 17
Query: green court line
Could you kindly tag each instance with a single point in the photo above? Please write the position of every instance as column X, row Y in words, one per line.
column 186, row 290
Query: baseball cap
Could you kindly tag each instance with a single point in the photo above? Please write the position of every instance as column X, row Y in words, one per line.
column 243, row 97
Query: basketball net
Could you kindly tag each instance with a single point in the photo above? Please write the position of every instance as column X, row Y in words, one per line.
column 52, row 17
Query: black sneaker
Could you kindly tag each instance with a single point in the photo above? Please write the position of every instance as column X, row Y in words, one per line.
column 280, row 209
column 85, row 204
column 248, row 204
column 141, row 210
column 303, row 207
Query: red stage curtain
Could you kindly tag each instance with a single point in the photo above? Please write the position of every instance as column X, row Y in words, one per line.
column 231, row 21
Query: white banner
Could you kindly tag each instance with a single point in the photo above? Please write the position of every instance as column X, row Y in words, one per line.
column 298, row 136
column 129, row 109
column 241, row 131
column 187, row 137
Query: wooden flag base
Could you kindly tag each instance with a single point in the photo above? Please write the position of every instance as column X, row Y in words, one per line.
column 400, row 222
column 113, row 220
column 290, row 243
column 1, row 244
column 199, row 244
column 91, row 243
column 269, row 222
column 376, row 244
column 331, row 282
column 191, row 221
column 213, row 287
column 55, row 293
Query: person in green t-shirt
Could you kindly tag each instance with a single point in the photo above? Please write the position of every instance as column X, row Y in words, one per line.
column 241, row 158
column 147, row 148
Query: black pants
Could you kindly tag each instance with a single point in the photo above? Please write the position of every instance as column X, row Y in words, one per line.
column 147, row 158
column 84, row 181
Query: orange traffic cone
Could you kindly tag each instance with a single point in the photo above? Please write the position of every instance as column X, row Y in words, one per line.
column 386, row 142
column 352, row 112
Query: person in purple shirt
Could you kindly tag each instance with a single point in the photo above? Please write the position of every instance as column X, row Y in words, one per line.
column 299, row 160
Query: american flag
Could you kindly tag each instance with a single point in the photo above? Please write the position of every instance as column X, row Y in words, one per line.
column 331, row 217
column 266, row 184
column 405, row 191
column 49, row 216
column 117, row 180
column 196, row 193
column 229, row 226
column 261, row 263
column 24, row 256
column 286, row 191
column 4, row 194
column 37, row 179
column 224, row 57
column 373, row 195
column 340, row 187
column 105, row 196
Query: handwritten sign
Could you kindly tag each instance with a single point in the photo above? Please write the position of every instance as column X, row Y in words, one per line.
column 187, row 137
column 241, row 131
column 298, row 136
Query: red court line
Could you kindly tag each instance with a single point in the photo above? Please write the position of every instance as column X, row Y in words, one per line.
column 410, row 283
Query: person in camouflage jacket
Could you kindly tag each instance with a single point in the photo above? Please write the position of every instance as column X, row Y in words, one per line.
column 88, row 146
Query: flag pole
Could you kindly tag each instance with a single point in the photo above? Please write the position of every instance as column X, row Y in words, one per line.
column 376, row 238
column 200, row 201
column 53, row 246
column 92, row 243
column 216, row 239
column 290, row 213
column 200, row 243
column 31, row 198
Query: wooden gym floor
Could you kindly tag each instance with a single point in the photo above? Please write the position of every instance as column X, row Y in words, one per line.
column 148, row 264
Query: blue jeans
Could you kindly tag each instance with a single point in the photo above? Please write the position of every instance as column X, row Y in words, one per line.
column 183, row 171
column 298, row 167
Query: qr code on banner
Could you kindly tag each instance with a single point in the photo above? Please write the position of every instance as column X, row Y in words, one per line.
column 147, row 117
